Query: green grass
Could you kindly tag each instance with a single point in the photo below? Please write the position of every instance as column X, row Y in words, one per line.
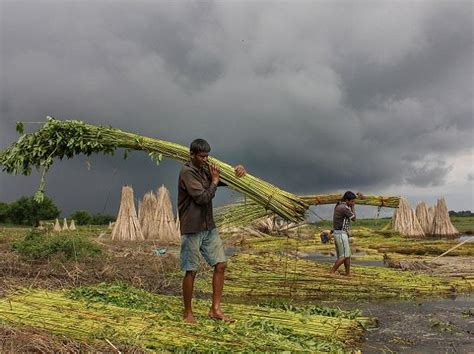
column 41, row 245
column 463, row 224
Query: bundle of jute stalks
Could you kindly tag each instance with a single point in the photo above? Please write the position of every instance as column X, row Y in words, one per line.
column 248, row 212
column 362, row 199
column 57, row 139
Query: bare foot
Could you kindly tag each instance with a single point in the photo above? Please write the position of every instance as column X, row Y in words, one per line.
column 219, row 315
column 189, row 318
column 333, row 274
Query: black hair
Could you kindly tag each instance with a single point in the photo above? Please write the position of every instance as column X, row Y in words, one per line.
column 199, row 145
column 349, row 196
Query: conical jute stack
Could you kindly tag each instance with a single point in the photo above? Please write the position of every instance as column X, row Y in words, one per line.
column 164, row 218
column 405, row 222
column 57, row 227
column 424, row 217
column 65, row 227
column 72, row 225
column 442, row 225
column 178, row 224
column 146, row 214
column 127, row 227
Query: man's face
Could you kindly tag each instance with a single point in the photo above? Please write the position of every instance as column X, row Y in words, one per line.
column 351, row 203
column 199, row 159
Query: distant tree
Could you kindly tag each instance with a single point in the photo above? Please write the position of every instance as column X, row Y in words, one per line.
column 102, row 219
column 26, row 211
column 82, row 217
column 4, row 208
column 463, row 213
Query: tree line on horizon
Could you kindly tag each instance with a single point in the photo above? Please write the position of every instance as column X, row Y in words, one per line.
column 26, row 211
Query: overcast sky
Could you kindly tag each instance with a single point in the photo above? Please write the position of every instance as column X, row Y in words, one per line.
column 315, row 97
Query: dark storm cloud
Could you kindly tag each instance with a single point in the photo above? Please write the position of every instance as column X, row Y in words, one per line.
column 313, row 97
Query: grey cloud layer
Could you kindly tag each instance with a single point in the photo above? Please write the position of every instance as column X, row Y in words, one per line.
column 311, row 96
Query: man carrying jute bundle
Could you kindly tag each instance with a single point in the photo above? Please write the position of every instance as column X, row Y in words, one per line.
column 344, row 213
column 196, row 188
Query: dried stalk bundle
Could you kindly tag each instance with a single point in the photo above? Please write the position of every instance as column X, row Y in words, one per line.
column 424, row 217
column 146, row 214
column 57, row 227
column 68, row 138
column 442, row 225
column 405, row 222
column 248, row 212
column 127, row 226
column 65, row 227
column 72, row 226
column 178, row 224
column 164, row 218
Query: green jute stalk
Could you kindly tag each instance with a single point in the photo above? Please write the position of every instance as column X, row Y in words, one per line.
column 256, row 329
column 59, row 139
column 248, row 212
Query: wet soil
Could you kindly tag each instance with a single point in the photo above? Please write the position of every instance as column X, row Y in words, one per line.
column 429, row 326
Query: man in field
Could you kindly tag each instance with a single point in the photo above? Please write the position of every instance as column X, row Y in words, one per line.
column 196, row 188
column 344, row 213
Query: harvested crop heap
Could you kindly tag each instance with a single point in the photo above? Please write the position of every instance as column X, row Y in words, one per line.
column 442, row 225
column 122, row 314
column 127, row 227
column 405, row 221
column 164, row 221
column 271, row 275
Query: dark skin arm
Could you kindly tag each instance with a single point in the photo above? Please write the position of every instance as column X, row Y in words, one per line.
column 214, row 170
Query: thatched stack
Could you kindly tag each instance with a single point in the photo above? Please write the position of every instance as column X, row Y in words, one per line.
column 127, row 227
column 146, row 214
column 65, row 228
column 431, row 210
column 164, row 218
column 72, row 226
column 442, row 225
column 178, row 223
column 424, row 217
column 57, row 227
column 405, row 222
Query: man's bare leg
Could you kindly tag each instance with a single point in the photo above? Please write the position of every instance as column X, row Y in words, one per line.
column 188, row 286
column 217, row 288
column 347, row 265
column 337, row 265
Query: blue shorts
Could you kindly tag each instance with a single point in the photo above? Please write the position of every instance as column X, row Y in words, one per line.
column 207, row 243
column 342, row 244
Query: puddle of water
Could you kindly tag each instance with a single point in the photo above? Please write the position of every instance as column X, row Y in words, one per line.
column 428, row 326
column 465, row 237
column 329, row 258
column 230, row 251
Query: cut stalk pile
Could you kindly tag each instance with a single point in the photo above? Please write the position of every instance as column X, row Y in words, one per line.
column 71, row 137
column 271, row 275
column 129, row 316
